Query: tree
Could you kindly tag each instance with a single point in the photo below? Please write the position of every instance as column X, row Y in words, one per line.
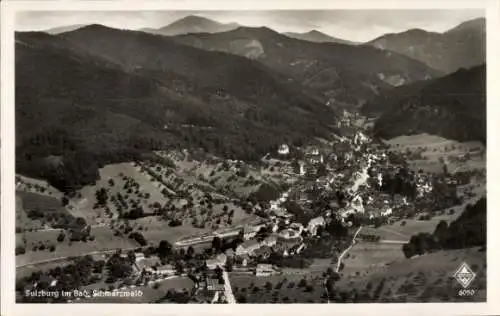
column 322, row 172
column 131, row 256
column 164, row 249
column 60, row 237
column 218, row 272
column 65, row 200
column 179, row 268
column 139, row 238
column 190, row 252
column 302, row 283
column 101, row 196
column 268, row 286
column 229, row 265
column 20, row 250
column 441, row 232
column 216, row 244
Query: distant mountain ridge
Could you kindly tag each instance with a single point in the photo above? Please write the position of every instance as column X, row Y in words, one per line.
column 62, row 29
column 192, row 24
column 453, row 107
column 342, row 74
column 463, row 46
column 318, row 37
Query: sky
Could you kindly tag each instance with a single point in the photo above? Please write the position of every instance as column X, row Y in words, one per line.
column 354, row 25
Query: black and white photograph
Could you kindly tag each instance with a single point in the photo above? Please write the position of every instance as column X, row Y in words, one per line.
column 248, row 156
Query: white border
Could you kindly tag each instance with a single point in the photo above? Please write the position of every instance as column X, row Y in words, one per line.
column 7, row 162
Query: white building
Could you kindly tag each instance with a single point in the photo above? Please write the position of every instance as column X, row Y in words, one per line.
column 166, row 269
column 139, row 256
column 264, row 270
column 302, row 170
column 274, row 205
column 297, row 227
column 284, row 149
column 387, row 212
column 313, row 224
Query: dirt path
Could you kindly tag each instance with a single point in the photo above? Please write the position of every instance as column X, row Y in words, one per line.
column 228, row 291
column 353, row 241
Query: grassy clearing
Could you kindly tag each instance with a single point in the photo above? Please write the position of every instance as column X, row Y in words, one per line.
column 150, row 294
column 104, row 240
column 366, row 258
column 180, row 182
column 28, row 270
column 435, row 150
column 428, row 278
column 157, row 230
column 23, row 222
column 37, row 211
column 254, row 289
column 38, row 186
column 84, row 204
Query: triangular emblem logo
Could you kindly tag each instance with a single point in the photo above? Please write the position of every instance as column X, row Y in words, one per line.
column 465, row 275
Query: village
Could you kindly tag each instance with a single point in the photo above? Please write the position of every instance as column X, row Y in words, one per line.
column 338, row 187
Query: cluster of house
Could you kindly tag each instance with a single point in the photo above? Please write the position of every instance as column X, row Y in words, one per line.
column 152, row 265
column 286, row 242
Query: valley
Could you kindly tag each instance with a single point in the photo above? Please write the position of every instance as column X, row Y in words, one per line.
column 211, row 162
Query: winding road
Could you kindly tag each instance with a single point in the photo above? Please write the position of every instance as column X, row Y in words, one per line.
column 353, row 242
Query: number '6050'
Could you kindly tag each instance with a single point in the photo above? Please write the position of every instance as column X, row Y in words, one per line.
column 466, row 292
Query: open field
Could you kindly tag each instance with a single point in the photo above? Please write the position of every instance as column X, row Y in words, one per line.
column 149, row 293
column 117, row 173
column 435, row 150
column 157, row 230
column 253, row 288
column 201, row 204
column 33, row 185
column 104, row 240
column 36, row 211
column 28, row 270
column 428, row 278
column 23, row 222
column 364, row 258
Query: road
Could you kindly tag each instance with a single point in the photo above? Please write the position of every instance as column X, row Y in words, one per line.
column 99, row 252
column 353, row 241
column 386, row 241
column 228, row 291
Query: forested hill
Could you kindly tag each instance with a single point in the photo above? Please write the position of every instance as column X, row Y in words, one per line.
column 453, row 107
column 99, row 95
column 348, row 74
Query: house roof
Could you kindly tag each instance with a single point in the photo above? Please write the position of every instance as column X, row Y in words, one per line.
column 221, row 257
column 265, row 266
column 165, row 267
column 212, row 262
column 271, row 238
column 215, row 285
column 317, row 221
column 263, row 250
column 249, row 243
column 147, row 263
